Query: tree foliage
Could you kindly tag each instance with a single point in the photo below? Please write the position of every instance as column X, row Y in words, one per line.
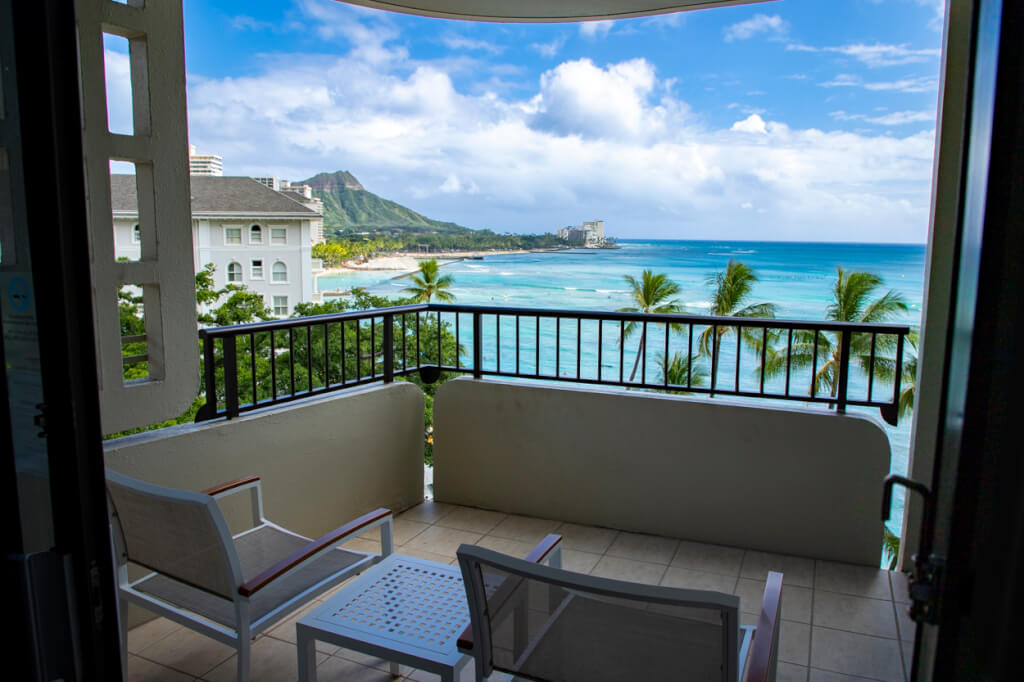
column 652, row 293
column 429, row 283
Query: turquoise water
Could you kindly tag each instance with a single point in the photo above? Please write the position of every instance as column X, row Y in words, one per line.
column 797, row 277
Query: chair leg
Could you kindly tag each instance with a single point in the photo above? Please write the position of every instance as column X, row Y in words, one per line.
column 244, row 650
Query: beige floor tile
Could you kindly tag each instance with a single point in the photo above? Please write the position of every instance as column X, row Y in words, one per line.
column 141, row 670
column 142, row 636
column 861, row 581
column 854, row 654
column 586, row 538
column 524, row 528
column 473, row 520
column 698, row 580
column 188, row 652
column 796, row 570
column 788, row 672
column 272, row 660
column 651, row 548
column 796, row 601
column 428, row 512
column 442, row 540
column 335, row 669
column 514, row 548
column 900, row 586
column 629, row 569
column 795, row 642
column 363, row 544
column 855, row 614
column 370, row 661
column 712, row 558
column 426, row 554
column 285, row 630
column 405, row 530
column 907, row 648
column 579, row 562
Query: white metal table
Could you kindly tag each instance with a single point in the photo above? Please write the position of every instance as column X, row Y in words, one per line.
column 404, row 610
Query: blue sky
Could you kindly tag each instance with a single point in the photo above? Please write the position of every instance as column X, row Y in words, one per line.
column 789, row 120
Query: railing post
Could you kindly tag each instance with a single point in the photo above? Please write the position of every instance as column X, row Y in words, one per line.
column 389, row 348
column 478, row 351
column 209, row 408
column 844, row 369
column 230, row 377
column 891, row 412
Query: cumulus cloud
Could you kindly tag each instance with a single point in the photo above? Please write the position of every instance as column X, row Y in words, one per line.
column 585, row 139
column 772, row 25
column 549, row 49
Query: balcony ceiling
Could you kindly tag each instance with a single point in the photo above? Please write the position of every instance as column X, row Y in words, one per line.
column 543, row 10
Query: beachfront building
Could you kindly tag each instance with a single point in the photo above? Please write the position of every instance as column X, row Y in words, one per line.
column 204, row 164
column 589, row 234
column 644, row 486
column 251, row 234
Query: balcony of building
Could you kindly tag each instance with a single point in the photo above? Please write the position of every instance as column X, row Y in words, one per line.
column 644, row 485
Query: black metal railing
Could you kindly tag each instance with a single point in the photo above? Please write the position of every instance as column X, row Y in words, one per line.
column 833, row 363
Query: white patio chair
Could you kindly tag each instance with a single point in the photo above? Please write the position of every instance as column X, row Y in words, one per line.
column 228, row 588
column 549, row 624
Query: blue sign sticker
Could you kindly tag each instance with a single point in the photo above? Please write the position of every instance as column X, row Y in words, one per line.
column 19, row 294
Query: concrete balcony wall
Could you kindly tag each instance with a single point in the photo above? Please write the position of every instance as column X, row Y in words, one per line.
column 321, row 462
column 778, row 480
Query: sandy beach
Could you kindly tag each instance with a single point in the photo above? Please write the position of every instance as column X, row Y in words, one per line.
column 410, row 261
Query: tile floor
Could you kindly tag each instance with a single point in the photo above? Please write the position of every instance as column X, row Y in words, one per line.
column 840, row 622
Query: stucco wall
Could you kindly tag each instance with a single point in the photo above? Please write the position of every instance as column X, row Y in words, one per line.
column 322, row 463
column 778, row 480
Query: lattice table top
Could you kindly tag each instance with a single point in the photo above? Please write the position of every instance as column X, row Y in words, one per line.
column 405, row 600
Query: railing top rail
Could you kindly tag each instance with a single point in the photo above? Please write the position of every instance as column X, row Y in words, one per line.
column 291, row 322
column 681, row 318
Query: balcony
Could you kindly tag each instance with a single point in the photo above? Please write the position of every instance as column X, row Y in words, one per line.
column 643, row 485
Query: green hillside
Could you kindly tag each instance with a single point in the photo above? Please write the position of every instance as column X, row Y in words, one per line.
column 347, row 206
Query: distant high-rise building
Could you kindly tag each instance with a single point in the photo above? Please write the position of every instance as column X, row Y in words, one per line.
column 204, row 164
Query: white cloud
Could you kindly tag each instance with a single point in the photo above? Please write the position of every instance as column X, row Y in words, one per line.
column 549, row 49
column 877, row 55
column 939, row 9
column 772, row 25
column 117, row 72
column 457, row 42
column 895, row 118
column 595, row 29
column 584, row 140
column 751, row 124
column 911, row 85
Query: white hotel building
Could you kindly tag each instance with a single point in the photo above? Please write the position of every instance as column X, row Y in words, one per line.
column 252, row 235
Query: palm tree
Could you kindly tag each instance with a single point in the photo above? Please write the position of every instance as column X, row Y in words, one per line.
column 732, row 287
column 652, row 294
column 681, row 370
column 851, row 302
column 909, row 379
column 428, row 284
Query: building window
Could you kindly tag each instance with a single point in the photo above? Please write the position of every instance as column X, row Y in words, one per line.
column 278, row 235
column 232, row 235
column 280, row 272
column 257, row 269
column 281, row 306
column 234, row 272
column 255, row 234
column 136, row 234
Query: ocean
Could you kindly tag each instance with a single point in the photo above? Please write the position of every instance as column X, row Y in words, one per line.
column 797, row 277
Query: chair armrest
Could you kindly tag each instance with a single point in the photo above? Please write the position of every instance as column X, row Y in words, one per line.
column 230, row 485
column 536, row 555
column 315, row 547
column 766, row 637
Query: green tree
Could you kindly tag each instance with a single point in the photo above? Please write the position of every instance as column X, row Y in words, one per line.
column 430, row 283
column 908, row 382
column 682, row 370
column 731, row 289
column 652, row 293
column 851, row 302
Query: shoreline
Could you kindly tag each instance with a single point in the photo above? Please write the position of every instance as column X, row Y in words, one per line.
column 407, row 262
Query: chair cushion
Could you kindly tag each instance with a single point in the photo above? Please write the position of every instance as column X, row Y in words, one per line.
column 257, row 551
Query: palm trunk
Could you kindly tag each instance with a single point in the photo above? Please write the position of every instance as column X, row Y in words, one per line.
column 639, row 353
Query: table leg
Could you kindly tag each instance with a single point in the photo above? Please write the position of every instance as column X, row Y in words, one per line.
column 394, row 669
column 306, row 646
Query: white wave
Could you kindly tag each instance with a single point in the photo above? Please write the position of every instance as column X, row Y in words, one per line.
column 506, row 274
column 477, row 267
column 699, row 304
column 612, row 291
column 570, row 288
